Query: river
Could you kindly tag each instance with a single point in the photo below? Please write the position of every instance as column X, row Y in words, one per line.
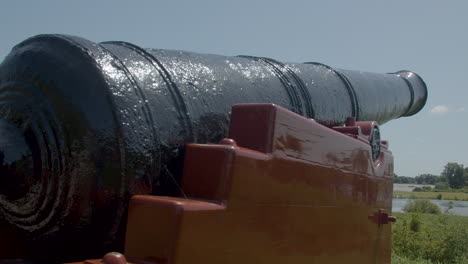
column 459, row 207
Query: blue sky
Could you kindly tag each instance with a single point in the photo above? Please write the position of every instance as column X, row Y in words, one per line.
column 428, row 37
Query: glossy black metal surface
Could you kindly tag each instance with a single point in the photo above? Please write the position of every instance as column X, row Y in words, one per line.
column 83, row 126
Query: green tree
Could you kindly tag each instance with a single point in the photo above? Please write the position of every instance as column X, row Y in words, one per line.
column 403, row 179
column 453, row 172
column 466, row 176
column 427, row 179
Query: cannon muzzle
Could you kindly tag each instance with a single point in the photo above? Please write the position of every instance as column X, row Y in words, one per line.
column 83, row 126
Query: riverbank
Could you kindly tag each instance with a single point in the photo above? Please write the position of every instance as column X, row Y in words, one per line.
column 409, row 187
column 429, row 239
column 446, row 206
column 456, row 196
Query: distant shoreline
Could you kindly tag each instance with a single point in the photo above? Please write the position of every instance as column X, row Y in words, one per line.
column 409, row 187
column 450, row 196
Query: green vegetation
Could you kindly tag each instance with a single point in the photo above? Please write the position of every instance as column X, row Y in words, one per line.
column 427, row 179
column 454, row 176
column 403, row 179
column 422, row 189
column 434, row 195
column 421, row 206
column 396, row 259
column 441, row 186
column 430, row 239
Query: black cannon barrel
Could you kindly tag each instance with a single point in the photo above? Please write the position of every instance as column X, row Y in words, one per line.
column 83, row 126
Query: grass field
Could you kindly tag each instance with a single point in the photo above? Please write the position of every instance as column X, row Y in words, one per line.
column 461, row 196
column 430, row 239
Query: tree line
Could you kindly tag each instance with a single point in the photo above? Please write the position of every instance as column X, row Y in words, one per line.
column 453, row 176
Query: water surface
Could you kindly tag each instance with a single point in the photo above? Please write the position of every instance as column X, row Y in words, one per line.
column 459, row 207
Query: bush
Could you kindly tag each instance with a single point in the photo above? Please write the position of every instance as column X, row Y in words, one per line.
column 426, row 238
column 426, row 188
column 442, row 185
column 397, row 259
column 439, row 196
column 415, row 223
column 421, row 206
column 423, row 189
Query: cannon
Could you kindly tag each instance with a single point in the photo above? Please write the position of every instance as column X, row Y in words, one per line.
column 85, row 126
